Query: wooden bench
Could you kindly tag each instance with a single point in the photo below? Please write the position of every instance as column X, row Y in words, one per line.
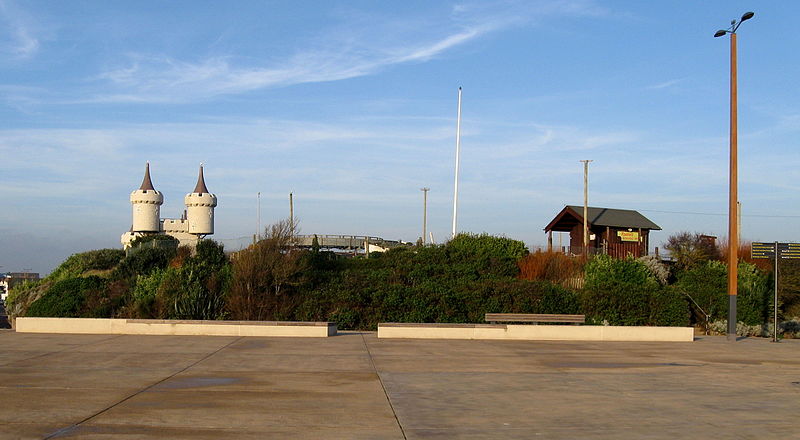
column 534, row 318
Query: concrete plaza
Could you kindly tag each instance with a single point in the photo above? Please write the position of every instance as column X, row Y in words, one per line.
column 355, row 386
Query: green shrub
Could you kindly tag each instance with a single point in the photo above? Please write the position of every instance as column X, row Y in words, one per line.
column 154, row 241
column 106, row 302
column 755, row 295
column 602, row 270
column 669, row 308
column 78, row 264
column 707, row 284
column 22, row 295
column 144, row 294
column 789, row 288
column 143, row 262
column 626, row 292
column 478, row 256
column 66, row 298
column 355, row 303
column 196, row 290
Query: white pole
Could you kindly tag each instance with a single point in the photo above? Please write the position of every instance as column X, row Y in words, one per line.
column 424, row 213
column 458, row 156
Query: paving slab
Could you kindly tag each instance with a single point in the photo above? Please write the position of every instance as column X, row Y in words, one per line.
column 356, row 386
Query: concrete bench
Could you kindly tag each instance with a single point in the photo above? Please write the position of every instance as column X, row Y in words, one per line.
column 534, row 318
column 175, row 327
column 524, row 332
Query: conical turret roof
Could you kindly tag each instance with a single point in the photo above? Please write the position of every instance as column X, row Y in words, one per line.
column 147, row 184
column 200, row 188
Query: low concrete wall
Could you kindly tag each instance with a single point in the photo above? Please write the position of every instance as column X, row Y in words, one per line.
column 175, row 327
column 535, row 332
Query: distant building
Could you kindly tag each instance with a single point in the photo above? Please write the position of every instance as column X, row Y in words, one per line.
column 9, row 280
column 196, row 222
column 616, row 232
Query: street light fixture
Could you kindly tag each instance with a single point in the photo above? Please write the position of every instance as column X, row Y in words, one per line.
column 735, row 25
column 733, row 197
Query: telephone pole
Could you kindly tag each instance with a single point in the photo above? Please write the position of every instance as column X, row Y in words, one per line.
column 424, row 213
column 586, row 207
column 291, row 216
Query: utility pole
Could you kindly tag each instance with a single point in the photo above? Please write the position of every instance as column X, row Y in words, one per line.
column 739, row 221
column 586, row 207
column 258, row 227
column 424, row 213
column 291, row 216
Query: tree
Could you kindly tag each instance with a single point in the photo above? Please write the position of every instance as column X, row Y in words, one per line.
column 690, row 249
column 263, row 275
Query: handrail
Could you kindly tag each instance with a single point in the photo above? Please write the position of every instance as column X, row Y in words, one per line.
column 708, row 317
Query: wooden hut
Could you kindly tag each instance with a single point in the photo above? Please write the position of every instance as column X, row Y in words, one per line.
column 616, row 232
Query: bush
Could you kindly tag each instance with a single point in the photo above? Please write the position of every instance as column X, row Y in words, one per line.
column 755, row 295
column 657, row 269
column 602, row 270
column 154, row 241
column 196, row 290
column 691, row 249
column 78, row 264
column 484, row 255
column 144, row 295
column 789, row 288
column 106, row 302
column 353, row 303
column 669, row 308
column 66, row 298
column 555, row 267
column 707, row 284
column 625, row 292
column 628, row 304
column 143, row 262
column 264, row 275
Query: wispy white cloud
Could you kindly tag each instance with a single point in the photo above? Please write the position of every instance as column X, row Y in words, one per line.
column 338, row 54
column 665, row 84
column 165, row 79
column 16, row 37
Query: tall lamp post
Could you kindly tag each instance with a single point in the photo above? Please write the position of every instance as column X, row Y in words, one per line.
column 733, row 227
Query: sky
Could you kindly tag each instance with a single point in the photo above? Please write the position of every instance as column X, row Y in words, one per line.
column 351, row 106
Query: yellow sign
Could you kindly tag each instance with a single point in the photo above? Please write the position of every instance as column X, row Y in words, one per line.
column 628, row 236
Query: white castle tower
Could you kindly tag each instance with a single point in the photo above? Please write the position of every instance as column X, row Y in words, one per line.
column 197, row 222
column 200, row 208
column 146, row 203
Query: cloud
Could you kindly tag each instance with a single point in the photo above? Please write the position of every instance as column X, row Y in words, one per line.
column 341, row 52
column 16, row 37
column 165, row 79
column 665, row 84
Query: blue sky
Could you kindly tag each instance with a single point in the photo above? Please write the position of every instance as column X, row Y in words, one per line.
column 352, row 107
